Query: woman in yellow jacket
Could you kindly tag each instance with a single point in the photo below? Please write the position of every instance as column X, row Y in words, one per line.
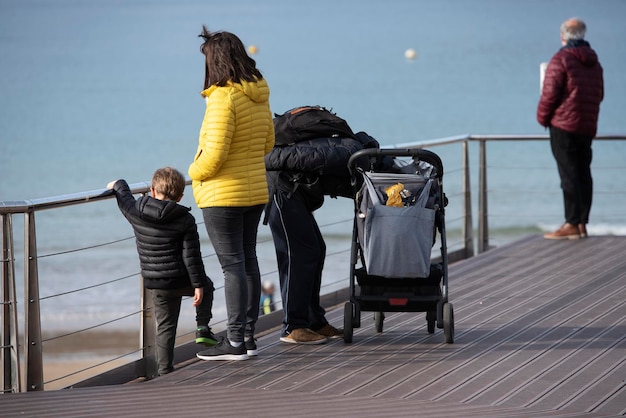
column 229, row 182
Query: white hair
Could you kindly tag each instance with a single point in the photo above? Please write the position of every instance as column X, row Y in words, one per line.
column 573, row 29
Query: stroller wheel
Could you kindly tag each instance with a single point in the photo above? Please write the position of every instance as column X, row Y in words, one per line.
column 431, row 318
column 348, row 310
column 356, row 318
column 448, row 322
column 379, row 318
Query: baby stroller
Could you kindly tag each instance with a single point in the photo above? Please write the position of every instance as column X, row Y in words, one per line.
column 399, row 208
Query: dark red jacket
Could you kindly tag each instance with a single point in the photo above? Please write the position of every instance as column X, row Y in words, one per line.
column 573, row 88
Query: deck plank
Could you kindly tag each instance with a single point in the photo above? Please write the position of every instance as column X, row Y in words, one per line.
column 540, row 331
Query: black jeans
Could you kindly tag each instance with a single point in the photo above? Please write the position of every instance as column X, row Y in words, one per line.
column 300, row 252
column 233, row 233
column 166, row 313
column 573, row 159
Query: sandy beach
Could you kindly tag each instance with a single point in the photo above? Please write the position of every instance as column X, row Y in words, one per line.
column 74, row 358
column 59, row 374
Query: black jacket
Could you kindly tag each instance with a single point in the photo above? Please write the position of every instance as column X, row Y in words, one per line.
column 312, row 168
column 167, row 240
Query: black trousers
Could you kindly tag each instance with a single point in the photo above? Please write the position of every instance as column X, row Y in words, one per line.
column 300, row 253
column 573, row 159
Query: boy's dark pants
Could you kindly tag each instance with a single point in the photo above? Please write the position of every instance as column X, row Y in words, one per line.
column 166, row 312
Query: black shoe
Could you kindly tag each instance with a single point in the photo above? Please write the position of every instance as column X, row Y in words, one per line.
column 166, row 371
column 251, row 347
column 205, row 336
column 224, row 351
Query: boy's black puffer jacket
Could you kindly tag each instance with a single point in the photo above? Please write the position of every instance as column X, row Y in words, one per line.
column 167, row 240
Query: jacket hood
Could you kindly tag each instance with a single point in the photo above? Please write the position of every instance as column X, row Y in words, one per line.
column 582, row 51
column 159, row 211
column 258, row 91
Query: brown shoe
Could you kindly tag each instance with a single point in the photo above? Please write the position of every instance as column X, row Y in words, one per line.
column 567, row 231
column 582, row 230
column 303, row 336
column 329, row 331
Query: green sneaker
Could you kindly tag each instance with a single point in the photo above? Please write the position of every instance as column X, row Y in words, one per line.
column 205, row 336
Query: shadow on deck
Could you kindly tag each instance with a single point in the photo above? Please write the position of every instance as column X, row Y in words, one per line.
column 540, row 331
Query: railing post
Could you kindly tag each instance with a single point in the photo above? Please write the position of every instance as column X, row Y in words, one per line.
column 10, row 347
column 147, row 335
column 467, row 231
column 483, row 214
column 32, row 337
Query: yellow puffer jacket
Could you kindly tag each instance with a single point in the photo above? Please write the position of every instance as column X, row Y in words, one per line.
column 236, row 133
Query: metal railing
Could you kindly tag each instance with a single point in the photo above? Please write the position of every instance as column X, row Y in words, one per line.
column 32, row 335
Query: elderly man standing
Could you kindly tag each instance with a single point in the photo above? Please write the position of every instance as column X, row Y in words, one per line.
column 569, row 106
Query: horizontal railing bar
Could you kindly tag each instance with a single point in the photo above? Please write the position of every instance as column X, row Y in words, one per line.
column 23, row 206
column 543, row 137
column 432, row 142
column 492, row 137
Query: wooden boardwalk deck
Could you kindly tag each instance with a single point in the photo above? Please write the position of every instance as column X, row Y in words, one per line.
column 540, row 331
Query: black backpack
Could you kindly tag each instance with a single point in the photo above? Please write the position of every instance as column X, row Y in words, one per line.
column 308, row 122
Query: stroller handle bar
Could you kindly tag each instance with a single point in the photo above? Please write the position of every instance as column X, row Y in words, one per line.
column 417, row 154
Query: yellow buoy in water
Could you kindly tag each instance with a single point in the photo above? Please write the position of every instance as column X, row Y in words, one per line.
column 410, row 54
column 252, row 49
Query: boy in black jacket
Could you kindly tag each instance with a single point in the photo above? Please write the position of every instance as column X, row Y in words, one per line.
column 169, row 254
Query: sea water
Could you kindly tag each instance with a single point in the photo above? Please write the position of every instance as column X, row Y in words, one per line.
column 95, row 91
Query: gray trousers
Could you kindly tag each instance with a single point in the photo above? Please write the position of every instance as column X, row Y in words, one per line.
column 166, row 312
